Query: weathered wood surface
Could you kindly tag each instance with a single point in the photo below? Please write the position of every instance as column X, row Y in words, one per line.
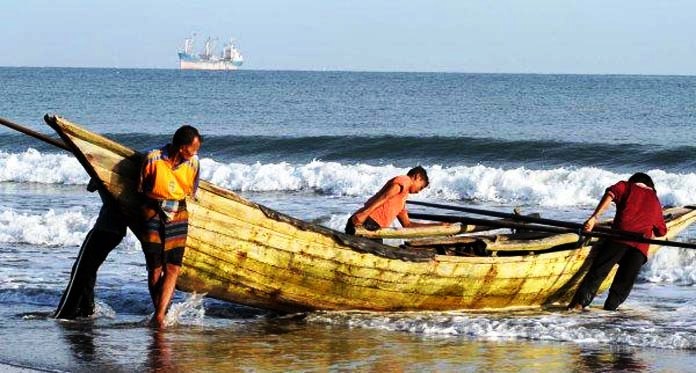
column 249, row 254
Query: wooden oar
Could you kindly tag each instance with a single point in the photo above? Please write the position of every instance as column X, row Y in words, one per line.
column 614, row 235
column 34, row 134
column 527, row 219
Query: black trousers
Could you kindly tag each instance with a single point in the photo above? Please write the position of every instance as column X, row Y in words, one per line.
column 369, row 224
column 78, row 298
column 629, row 260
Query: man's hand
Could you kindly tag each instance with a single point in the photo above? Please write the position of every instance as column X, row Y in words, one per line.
column 590, row 223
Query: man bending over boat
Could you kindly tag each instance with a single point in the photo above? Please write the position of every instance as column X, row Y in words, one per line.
column 168, row 176
column 637, row 210
column 390, row 203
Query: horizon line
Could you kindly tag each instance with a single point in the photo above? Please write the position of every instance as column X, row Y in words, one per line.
column 333, row 70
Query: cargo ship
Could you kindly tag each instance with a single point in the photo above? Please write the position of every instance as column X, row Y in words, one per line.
column 229, row 59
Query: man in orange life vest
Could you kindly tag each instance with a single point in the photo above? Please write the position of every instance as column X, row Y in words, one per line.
column 169, row 175
column 390, row 203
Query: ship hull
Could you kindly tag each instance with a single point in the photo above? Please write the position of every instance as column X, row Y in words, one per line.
column 188, row 62
column 207, row 65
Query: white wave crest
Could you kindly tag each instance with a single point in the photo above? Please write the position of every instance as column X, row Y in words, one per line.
column 52, row 228
column 549, row 188
column 33, row 166
column 671, row 265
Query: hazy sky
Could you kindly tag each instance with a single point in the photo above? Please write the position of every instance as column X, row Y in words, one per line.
column 545, row 36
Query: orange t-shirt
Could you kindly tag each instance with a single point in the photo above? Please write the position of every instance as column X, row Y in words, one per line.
column 160, row 181
column 385, row 214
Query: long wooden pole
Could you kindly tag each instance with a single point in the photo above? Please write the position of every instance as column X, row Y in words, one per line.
column 526, row 219
column 548, row 229
column 34, row 134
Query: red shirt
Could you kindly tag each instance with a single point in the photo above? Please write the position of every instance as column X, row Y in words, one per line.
column 637, row 210
column 385, row 214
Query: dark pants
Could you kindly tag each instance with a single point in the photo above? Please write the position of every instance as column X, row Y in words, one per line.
column 78, row 298
column 629, row 259
column 369, row 224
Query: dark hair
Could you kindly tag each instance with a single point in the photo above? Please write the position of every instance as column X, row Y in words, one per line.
column 418, row 170
column 185, row 135
column 640, row 177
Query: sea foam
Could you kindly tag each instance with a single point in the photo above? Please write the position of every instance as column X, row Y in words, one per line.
column 52, row 228
column 33, row 166
column 557, row 187
column 671, row 265
column 549, row 188
column 628, row 328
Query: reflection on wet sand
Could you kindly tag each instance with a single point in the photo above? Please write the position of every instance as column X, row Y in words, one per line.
column 80, row 338
column 282, row 346
column 276, row 344
column 159, row 353
column 610, row 358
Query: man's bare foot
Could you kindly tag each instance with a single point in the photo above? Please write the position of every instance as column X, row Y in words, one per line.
column 576, row 308
column 157, row 322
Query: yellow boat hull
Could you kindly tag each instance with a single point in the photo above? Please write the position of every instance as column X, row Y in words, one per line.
column 246, row 253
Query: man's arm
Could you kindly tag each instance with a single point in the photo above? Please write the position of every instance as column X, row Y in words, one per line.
column 603, row 204
column 660, row 228
column 406, row 221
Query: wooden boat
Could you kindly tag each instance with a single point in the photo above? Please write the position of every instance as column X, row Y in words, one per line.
column 249, row 254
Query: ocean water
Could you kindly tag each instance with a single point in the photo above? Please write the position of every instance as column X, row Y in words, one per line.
column 315, row 145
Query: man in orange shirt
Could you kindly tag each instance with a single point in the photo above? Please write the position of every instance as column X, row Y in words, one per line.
column 169, row 175
column 390, row 203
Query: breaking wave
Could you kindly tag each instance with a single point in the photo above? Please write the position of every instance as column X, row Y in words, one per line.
column 562, row 186
column 454, row 150
column 51, row 228
column 671, row 265
column 33, row 166
column 550, row 188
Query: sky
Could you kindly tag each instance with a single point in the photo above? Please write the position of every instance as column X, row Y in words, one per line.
column 505, row 36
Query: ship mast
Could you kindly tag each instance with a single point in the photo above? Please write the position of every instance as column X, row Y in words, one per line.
column 188, row 45
column 208, row 49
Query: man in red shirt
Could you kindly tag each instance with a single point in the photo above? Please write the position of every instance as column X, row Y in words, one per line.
column 637, row 210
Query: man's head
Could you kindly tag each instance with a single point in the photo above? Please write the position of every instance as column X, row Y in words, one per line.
column 640, row 177
column 419, row 178
column 186, row 141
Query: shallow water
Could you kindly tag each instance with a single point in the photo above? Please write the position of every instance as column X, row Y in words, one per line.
column 257, row 342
